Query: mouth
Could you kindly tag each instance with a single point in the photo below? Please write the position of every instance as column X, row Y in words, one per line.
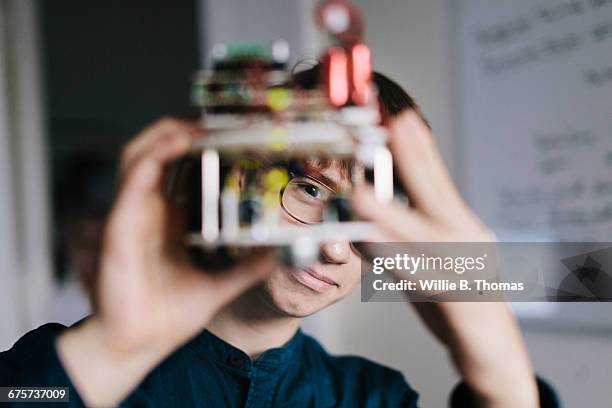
column 314, row 280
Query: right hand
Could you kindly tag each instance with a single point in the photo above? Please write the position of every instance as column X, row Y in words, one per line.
column 483, row 339
column 150, row 298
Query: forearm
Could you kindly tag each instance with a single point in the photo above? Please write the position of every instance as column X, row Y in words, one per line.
column 101, row 375
column 494, row 361
column 497, row 385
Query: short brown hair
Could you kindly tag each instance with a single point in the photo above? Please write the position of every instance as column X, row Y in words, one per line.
column 392, row 98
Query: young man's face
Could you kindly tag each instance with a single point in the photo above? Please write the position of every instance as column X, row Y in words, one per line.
column 301, row 292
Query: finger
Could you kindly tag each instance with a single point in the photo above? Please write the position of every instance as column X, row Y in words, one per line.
column 139, row 206
column 420, row 165
column 158, row 129
column 145, row 174
column 229, row 284
column 246, row 274
column 394, row 219
column 165, row 128
column 206, row 294
column 140, row 195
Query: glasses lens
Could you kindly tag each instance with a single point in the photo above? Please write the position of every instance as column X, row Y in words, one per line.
column 306, row 200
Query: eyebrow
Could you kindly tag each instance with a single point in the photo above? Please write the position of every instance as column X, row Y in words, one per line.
column 315, row 171
column 323, row 179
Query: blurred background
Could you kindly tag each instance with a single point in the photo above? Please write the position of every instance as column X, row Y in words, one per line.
column 519, row 94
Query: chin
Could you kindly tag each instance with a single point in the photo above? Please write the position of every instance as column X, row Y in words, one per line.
column 292, row 299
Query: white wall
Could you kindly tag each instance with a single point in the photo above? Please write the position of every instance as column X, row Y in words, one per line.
column 410, row 41
column 25, row 257
column 9, row 323
column 227, row 21
column 577, row 363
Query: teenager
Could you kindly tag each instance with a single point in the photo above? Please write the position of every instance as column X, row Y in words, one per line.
column 166, row 333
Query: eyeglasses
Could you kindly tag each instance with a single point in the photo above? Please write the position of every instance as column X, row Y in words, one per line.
column 306, row 199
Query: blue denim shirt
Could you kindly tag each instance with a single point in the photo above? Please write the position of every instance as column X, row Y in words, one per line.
column 208, row 372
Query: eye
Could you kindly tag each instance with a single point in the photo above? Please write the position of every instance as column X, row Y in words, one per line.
column 311, row 190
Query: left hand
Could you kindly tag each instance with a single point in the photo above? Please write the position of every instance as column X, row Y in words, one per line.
column 484, row 339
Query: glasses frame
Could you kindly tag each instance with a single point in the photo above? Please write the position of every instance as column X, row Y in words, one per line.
column 293, row 175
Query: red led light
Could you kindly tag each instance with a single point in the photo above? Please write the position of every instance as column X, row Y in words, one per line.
column 337, row 77
column 361, row 71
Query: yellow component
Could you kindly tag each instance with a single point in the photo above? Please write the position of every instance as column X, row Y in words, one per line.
column 278, row 98
column 277, row 139
column 276, row 179
column 270, row 199
column 247, row 164
column 231, row 182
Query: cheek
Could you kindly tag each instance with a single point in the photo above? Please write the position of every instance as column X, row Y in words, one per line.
column 281, row 288
column 286, row 219
column 351, row 273
column 279, row 281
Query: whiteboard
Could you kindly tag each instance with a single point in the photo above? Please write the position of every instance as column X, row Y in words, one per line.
column 534, row 103
column 535, row 114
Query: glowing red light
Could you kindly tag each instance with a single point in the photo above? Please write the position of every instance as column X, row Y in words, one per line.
column 337, row 80
column 361, row 68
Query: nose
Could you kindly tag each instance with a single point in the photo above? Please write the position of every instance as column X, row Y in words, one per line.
column 336, row 252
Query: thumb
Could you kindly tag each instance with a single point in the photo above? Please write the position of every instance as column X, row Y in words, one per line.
column 392, row 218
column 231, row 283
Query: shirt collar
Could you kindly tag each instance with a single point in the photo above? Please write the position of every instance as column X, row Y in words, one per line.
column 220, row 351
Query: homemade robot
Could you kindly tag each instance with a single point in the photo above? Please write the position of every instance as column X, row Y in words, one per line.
column 262, row 127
